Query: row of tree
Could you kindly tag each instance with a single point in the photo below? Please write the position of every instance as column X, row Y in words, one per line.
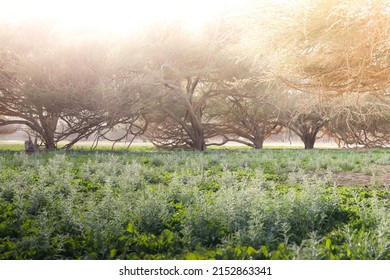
column 318, row 68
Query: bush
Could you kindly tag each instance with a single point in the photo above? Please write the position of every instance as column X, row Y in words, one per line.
column 185, row 205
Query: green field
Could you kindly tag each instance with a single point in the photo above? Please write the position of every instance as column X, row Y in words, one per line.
column 220, row 204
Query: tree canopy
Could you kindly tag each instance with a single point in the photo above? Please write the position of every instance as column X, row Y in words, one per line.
column 243, row 75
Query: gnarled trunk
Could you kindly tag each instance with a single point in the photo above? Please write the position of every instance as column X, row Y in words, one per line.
column 307, row 126
column 258, row 136
column 309, row 140
column 258, row 141
column 197, row 137
column 199, row 145
column 49, row 126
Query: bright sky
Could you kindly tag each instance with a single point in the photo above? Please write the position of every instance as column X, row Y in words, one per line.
column 115, row 15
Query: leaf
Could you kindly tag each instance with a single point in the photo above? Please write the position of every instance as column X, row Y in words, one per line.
column 113, row 253
column 349, row 253
column 328, row 243
column 237, row 252
column 264, row 250
column 91, row 256
column 191, row 256
column 130, row 228
column 251, row 251
column 167, row 235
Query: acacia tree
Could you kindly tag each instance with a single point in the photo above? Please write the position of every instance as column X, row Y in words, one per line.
column 361, row 121
column 186, row 70
column 332, row 46
column 330, row 49
column 304, row 114
column 248, row 114
column 68, row 89
column 12, row 103
column 49, row 85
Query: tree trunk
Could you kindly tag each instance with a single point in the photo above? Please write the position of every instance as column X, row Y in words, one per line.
column 50, row 146
column 198, row 143
column 199, row 146
column 49, row 125
column 309, row 140
column 258, row 143
column 258, row 139
column 308, row 134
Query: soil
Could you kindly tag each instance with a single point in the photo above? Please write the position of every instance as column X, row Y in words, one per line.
column 358, row 179
column 380, row 178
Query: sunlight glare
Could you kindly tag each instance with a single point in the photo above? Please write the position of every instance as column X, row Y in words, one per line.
column 115, row 15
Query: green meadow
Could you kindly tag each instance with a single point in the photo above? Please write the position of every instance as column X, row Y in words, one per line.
column 220, row 204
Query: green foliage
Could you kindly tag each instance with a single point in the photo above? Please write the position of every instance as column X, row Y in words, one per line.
column 221, row 204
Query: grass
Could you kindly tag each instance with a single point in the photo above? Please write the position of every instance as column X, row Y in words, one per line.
column 139, row 146
column 220, row 204
column 7, row 146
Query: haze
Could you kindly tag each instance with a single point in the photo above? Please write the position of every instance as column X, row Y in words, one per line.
column 117, row 15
